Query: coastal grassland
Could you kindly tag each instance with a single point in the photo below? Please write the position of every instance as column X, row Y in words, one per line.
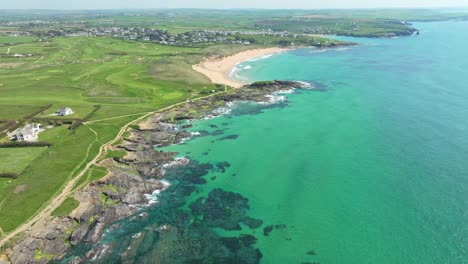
column 93, row 174
column 66, row 207
column 115, row 154
column 53, row 168
column 15, row 160
column 126, row 79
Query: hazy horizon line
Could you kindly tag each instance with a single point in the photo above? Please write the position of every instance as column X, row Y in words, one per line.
column 237, row 8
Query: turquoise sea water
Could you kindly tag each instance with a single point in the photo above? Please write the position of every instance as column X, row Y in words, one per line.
column 371, row 167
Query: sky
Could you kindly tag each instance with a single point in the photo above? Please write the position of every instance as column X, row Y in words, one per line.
column 272, row 4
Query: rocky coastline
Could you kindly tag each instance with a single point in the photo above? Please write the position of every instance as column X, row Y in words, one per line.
column 132, row 179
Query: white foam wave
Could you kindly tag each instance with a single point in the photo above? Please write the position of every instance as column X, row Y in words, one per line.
column 137, row 235
column 101, row 251
column 306, row 84
column 176, row 162
column 261, row 58
column 273, row 99
column 153, row 197
column 248, row 67
column 318, row 51
column 290, row 91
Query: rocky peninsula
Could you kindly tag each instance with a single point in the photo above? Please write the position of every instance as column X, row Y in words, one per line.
column 126, row 191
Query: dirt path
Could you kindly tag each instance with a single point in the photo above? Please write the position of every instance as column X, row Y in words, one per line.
column 39, row 219
column 117, row 117
column 39, row 59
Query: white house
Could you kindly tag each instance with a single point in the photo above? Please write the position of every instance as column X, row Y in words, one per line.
column 29, row 133
column 64, row 111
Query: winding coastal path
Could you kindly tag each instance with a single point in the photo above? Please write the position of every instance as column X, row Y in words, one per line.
column 39, row 219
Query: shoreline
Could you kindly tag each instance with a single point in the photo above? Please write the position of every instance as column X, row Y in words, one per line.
column 218, row 69
column 133, row 179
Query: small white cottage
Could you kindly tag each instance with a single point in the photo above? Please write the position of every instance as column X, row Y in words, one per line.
column 64, row 111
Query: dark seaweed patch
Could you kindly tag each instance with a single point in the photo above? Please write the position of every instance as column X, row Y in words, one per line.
column 187, row 126
column 222, row 166
column 255, row 109
column 319, row 86
column 223, row 209
column 230, row 137
column 171, row 231
column 267, row 230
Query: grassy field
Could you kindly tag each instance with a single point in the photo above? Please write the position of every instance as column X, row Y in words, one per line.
column 16, row 39
column 93, row 174
column 15, row 160
column 66, row 208
column 126, row 79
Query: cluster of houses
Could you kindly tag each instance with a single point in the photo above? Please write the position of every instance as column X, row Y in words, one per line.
column 30, row 132
column 166, row 38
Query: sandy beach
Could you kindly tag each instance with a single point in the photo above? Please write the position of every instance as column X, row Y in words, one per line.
column 219, row 69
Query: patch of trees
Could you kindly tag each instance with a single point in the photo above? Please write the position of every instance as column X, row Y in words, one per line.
column 42, row 109
column 88, row 116
column 75, row 125
column 9, row 175
column 24, row 144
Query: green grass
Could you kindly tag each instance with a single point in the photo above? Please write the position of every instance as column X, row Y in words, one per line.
column 15, row 160
column 115, row 154
column 45, row 177
column 55, row 134
column 16, row 40
column 17, row 111
column 66, row 207
column 81, row 111
column 4, row 183
column 93, row 174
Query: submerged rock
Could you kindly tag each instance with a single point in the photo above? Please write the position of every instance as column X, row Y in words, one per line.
column 178, row 235
column 223, row 209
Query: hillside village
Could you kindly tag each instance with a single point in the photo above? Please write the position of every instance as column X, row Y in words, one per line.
column 164, row 37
